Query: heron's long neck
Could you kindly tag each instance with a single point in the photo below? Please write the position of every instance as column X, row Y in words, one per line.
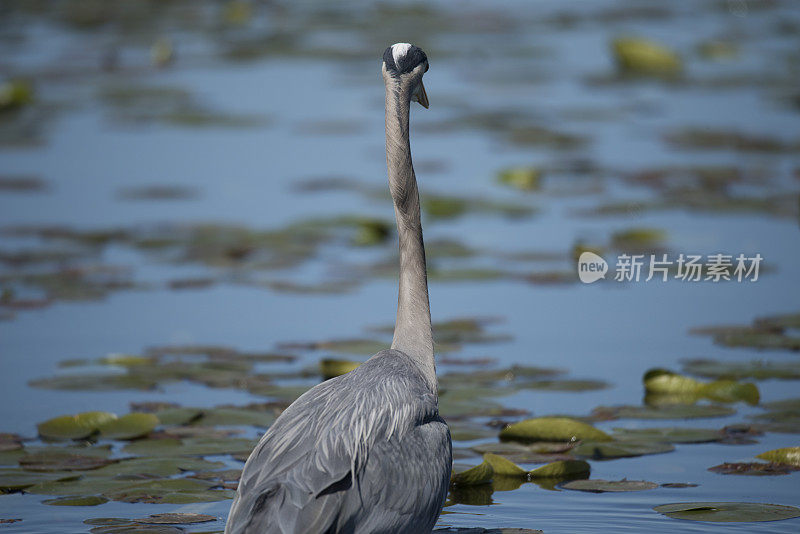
column 412, row 330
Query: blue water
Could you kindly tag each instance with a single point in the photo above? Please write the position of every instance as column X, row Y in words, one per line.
column 503, row 56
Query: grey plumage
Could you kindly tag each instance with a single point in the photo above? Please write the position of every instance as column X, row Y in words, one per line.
column 364, row 452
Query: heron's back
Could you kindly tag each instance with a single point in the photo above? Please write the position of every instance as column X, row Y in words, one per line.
column 365, row 452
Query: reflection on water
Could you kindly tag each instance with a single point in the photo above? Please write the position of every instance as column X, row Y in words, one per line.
column 200, row 187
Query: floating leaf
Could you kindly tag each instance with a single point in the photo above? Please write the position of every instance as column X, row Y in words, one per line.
column 502, row 466
column 176, row 519
column 562, row 469
column 89, row 500
column 130, row 426
column 523, row 178
column 330, row 367
column 178, row 416
column 173, row 491
column 157, row 466
column 725, row 512
column 472, row 476
column 552, row 429
column 620, row 449
column 664, row 382
column 54, row 460
column 77, row 426
column 17, row 479
column 756, row 369
column 753, row 468
column 668, row 434
column 189, row 447
column 787, row 455
column 698, row 411
column 640, row 56
column 602, row 486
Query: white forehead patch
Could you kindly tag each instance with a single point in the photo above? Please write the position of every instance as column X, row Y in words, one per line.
column 399, row 51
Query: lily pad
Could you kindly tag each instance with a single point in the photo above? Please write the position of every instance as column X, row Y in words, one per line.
column 189, row 447
column 90, row 500
column 644, row 57
column 552, row 429
column 472, row 476
column 668, row 434
column 601, row 486
column 156, row 466
column 620, row 449
column 727, row 512
column 173, row 491
column 55, row 460
column 330, row 368
column 753, row 468
column 178, row 416
column 503, row 467
column 756, row 369
column 664, row 382
column 17, row 479
column 787, row 455
column 562, row 469
column 77, row 426
column 176, row 519
column 130, row 426
column 696, row 411
column 522, row 178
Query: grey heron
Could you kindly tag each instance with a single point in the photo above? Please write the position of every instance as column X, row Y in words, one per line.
column 365, row 452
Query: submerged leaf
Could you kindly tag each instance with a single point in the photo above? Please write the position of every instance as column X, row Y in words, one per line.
column 90, row 500
column 620, row 449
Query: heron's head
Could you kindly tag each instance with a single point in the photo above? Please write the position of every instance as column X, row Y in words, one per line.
column 405, row 64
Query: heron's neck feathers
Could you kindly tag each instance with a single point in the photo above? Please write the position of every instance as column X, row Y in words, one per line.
column 412, row 331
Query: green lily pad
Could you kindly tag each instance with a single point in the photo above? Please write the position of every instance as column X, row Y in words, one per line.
column 727, row 512
column 179, row 416
column 668, row 434
column 522, row 178
column 620, row 449
column 472, row 476
column 601, row 486
column 130, row 426
column 562, row 469
column 756, row 369
column 552, row 429
column 683, row 388
column 17, row 479
column 503, row 467
column 753, row 468
column 55, row 460
column 641, row 56
column 89, row 500
column 176, row 519
column 330, row 368
column 156, row 466
column 787, row 455
column 695, row 411
column 234, row 416
column 189, row 447
column 77, row 426
column 172, row 491
column 565, row 385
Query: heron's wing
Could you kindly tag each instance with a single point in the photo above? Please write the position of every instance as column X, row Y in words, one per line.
column 293, row 464
column 404, row 483
column 298, row 476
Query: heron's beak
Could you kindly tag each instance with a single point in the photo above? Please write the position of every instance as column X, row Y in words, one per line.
column 421, row 96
